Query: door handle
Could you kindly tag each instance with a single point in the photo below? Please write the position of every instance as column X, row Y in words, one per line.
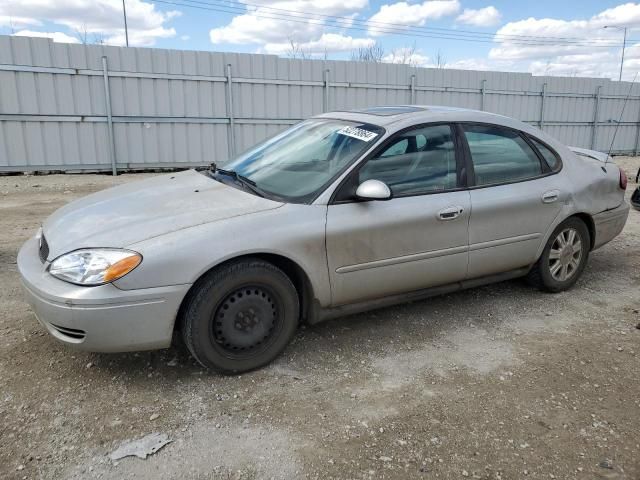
column 551, row 196
column 450, row 213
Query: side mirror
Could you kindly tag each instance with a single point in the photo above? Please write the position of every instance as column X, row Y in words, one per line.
column 373, row 190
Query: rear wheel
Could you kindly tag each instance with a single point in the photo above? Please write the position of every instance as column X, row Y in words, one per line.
column 563, row 258
column 240, row 316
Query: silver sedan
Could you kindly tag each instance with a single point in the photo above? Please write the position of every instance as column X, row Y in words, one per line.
column 341, row 213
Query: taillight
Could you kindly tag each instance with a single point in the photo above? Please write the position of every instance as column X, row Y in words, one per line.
column 623, row 179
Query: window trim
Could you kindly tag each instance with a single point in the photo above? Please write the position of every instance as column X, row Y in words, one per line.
column 471, row 177
column 461, row 173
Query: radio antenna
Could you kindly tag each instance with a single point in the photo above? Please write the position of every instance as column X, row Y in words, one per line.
column 615, row 132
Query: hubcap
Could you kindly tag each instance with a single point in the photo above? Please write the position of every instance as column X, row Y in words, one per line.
column 245, row 319
column 565, row 255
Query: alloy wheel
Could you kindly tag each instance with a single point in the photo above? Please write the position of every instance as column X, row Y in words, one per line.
column 565, row 255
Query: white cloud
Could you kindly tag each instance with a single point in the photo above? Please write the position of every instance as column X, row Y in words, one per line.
column 584, row 65
column 55, row 36
column 327, row 43
column 94, row 17
column 184, row 38
column 13, row 21
column 483, row 17
column 411, row 14
column 265, row 26
column 562, row 54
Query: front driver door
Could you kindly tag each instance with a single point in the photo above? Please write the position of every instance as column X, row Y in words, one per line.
column 416, row 240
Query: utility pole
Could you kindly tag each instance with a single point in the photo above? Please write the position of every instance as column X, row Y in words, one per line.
column 624, row 44
column 126, row 30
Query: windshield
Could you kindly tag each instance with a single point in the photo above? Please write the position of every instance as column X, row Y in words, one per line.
column 297, row 164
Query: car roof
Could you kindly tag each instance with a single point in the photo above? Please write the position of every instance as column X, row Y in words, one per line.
column 413, row 114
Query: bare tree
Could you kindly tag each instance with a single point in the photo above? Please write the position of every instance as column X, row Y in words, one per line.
column 440, row 61
column 405, row 56
column 98, row 39
column 373, row 53
column 82, row 34
column 296, row 51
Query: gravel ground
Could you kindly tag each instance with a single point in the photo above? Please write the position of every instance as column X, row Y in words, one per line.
column 499, row 382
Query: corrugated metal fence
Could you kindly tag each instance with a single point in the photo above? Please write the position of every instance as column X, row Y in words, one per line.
column 90, row 107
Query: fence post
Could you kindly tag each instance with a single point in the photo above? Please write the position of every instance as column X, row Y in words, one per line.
column 325, row 103
column 107, row 101
column 483, row 91
column 232, row 133
column 412, row 93
column 542, row 104
column 596, row 109
column 637, row 144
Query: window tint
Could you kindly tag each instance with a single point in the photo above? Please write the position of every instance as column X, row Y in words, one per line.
column 550, row 157
column 398, row 148
column 427, row 164
column 500, row 155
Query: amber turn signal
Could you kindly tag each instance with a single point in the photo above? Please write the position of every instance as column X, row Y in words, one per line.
column 121, row 268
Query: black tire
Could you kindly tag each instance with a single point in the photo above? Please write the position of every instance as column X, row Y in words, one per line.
column 541, row 275
column 240, row 316
column 635, row 198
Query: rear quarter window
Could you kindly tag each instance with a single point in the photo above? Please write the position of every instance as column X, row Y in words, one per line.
column 552, row 158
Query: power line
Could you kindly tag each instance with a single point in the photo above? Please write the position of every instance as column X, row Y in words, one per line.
column 226, row 3
column 405, row 30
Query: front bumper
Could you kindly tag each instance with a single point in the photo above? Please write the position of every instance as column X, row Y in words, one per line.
column 609, row 224
column 103, row 318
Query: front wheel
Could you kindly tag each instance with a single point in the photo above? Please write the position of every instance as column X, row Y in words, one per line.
column 563, row 258
column 240, row 316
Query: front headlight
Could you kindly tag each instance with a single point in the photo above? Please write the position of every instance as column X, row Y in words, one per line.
column 94, row 266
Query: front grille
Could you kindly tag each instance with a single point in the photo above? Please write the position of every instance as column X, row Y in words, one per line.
column 43, row 249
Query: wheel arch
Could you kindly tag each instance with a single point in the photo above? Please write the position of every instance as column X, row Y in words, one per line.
column 586, row 218
column 292, row 269
column 591, row 226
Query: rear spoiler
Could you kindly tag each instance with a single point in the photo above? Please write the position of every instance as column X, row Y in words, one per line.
column 583, row 152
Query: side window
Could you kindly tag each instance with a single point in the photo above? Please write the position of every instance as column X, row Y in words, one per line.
column 500, row 155
column 427, row 164
column 398, row 148
column 549, row 156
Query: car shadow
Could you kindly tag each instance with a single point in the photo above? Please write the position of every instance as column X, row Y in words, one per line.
column 408, row 324
column 360, row 333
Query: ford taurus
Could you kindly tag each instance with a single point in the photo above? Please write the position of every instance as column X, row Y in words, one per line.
column 341, row 213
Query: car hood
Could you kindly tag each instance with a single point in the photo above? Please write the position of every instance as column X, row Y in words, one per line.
column 136, row 211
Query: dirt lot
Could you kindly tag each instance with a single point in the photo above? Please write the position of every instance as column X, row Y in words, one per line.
column 497, row 382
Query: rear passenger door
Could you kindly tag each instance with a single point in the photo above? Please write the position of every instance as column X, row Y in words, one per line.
column 514, row 199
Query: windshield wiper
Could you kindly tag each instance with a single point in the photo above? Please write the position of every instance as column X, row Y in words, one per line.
column 247, row 183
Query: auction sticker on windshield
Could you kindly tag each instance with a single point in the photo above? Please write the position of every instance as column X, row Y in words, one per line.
column 358, row 133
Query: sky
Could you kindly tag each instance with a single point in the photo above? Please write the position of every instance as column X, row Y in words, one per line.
column 543, row 37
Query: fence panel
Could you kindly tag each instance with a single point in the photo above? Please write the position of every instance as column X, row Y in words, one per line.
column 172, row 108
